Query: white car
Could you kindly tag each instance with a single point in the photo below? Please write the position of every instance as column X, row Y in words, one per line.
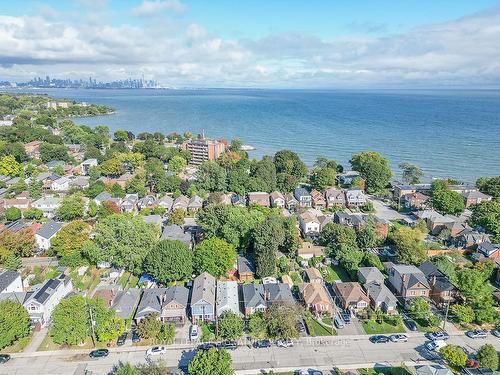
column 156, row 350
column 284, row 343
column 435, row 345
column 194, row 332
column 398, row 338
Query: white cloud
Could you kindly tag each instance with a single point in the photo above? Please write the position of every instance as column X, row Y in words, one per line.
column 152, row 7
column 459, row 52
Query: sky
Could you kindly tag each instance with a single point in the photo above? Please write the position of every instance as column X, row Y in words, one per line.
column 258, row 43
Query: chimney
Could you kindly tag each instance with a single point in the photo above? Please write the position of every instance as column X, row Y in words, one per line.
column 405, row 277
column 434, row 278
column 267, row 295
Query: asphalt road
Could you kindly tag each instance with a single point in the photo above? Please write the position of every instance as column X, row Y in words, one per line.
column 319, row 353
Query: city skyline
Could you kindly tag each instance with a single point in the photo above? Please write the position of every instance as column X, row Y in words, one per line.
column 258, row 44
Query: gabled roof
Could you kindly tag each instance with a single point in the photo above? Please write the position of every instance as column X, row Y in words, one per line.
column 279, row 292
column 7, row 277
column 203, row 289
column 301, row 192
column 227, row 297
column 378, row 292
column 371, row 274
column 415, row 276
column 313, row 293
column 103, row 196
column 49, row 229
column 176, row 232
column 126, row 301
column 351, row 292
column 253, row 295
column 433, row 370
column 48, row 289
column 244, row 265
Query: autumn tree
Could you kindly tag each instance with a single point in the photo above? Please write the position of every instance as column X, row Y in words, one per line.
column 68, row 242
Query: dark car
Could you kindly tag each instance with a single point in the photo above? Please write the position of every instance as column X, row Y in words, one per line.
column 410, row 324
column 99, row 353
column 346, row 315
column 121, row 340
column 135, row 336
column 230, row 345
column 4, row 358
column 379, row 339
column 206, row 346
column 301, row 327
column 262, row 344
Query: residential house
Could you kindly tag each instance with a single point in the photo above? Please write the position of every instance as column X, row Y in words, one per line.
column 258, row 198
column 60, row 185
column 307, row 250
column 181, row 202
column 169, row 303
column 487, row 250
column 348, row 220
column 316, row 298
column 125, row 302
column 195, row 204
column 79, row 182
column 166, row 202
column 258, row 297
column 148, row 202
column 469, row 239
column 317, row 199
column 415, row 201
column 129, row 203
column 313, row 275
column 381, row 225
column 381, row 297
column 369, row 274
column 227, row 298
column 42, row 301
column 475, row 197
column 107, row 293
column 175, row 232
column 435, row 221
column 102, row 197
column 277, row 199
column 347, row 177
column 303, row 197
column 433, row 369
column 153, row 219
column 442, row 290
column 86, row 165
column 407, row 281
column 290, row 202
column 334, row 198
column 48, row 205
column 21, row 202
column 355, row 198
column 309, row 224
column 351, row 296
column 203, row 298
column 246, row 270
column 238, row 200
column 10, row 282
column 46, row 232
column 121, row 181
column 32, row 149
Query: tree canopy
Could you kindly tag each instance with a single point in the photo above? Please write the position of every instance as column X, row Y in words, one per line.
column 211, row 362
column 169, row 261
column 214, row 256
column 14, row 322
column 373, row 168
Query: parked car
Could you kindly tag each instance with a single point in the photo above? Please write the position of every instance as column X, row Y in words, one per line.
column 262, row 344
column 285, row 343
column 99, row 353
column 121, row 340
column 194, row 332
column 435, row 345
column 300, row 326
column 135, row 336
column 4, row 358
column 339, row 322
column 410, row 324
column 156, row 350
column 206, row 346
column 379, row 339
column 437, row 336
column 398, row 338
column 346, row 316
column 472, row 363
column 496, row 332
column 230, row 345
column 301, row 372
column 477, row 334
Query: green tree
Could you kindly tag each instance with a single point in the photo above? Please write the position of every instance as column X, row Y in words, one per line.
column 487, row 215
column 211, row 177
column 49, row 151
column 366, row 236
column 257, row 326
column 177, row 216
column 372, row 260
column 68, row 243
column 463, row 314
column 33, row 214
column 411, row 173
column 125, row 241
column 488, row 357
column 112, row 167
column 121, row 135
column 9, row 166
column 177, row 164
column 281, row 320
column 211, row 362
column 20, row 243
column 419, row 308
column 170, row 261
column 12, row 214
column 230, row 326
column 14, row 322
column 149, row 327
column 323, row 178
column 289, row 168
column 125, row 369
column 214, row 256
column 70, row 321
column 167, row 333
column 117, row 191
column 448, row 202
column 268, row 237
column 373, row 168
column 409, row 245
column 71, row 208
column 490, row 186
column 454, row 355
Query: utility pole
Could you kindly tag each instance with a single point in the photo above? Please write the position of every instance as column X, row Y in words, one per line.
column 446, row 314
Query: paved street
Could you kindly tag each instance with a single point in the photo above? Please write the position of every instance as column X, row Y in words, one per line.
column 321, row 353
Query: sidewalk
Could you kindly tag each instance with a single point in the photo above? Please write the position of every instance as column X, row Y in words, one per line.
column 36, row 340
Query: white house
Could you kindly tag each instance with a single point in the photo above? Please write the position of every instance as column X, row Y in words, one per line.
column 227, row 297
column 46, row 232
column 86, row 165
column 42, row 302
column 47, row 204
column 10, row 282
column 309, row 224
column 355, row 197
column 61, row 184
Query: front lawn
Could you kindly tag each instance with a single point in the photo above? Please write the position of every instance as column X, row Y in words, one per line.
column 423, row 326
column 18, row 345
column 207, row 332
column 384, row 370
column 315, row 328
column 371, row 327
column 48, row 344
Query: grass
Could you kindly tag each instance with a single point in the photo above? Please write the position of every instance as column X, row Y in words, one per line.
column 328, row 275
column 315, row 328
column 295, row 276
column 18, row 345
column 384, row 370
column 422, row 326
column 48, row 344
column 87, row 281
column 340, row 273
column 371, row 327
column 207, row 332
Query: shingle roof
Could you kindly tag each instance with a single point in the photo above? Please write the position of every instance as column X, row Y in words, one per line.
column 253, row 295
column 203, row 289
column 380, row 293
column 416, row 275
column 49, row 229
column 244, row 265
column 371, row 274
column 126, row 301
column 7, row 277
column 176, row 232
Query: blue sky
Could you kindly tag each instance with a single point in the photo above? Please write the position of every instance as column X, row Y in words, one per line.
column 255, row 43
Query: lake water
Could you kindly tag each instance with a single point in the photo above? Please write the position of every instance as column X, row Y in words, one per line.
column 447, row 133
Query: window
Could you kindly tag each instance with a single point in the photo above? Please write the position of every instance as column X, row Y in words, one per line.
column 423, row 292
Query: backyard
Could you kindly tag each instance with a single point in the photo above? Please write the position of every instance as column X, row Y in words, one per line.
column 334, row 273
